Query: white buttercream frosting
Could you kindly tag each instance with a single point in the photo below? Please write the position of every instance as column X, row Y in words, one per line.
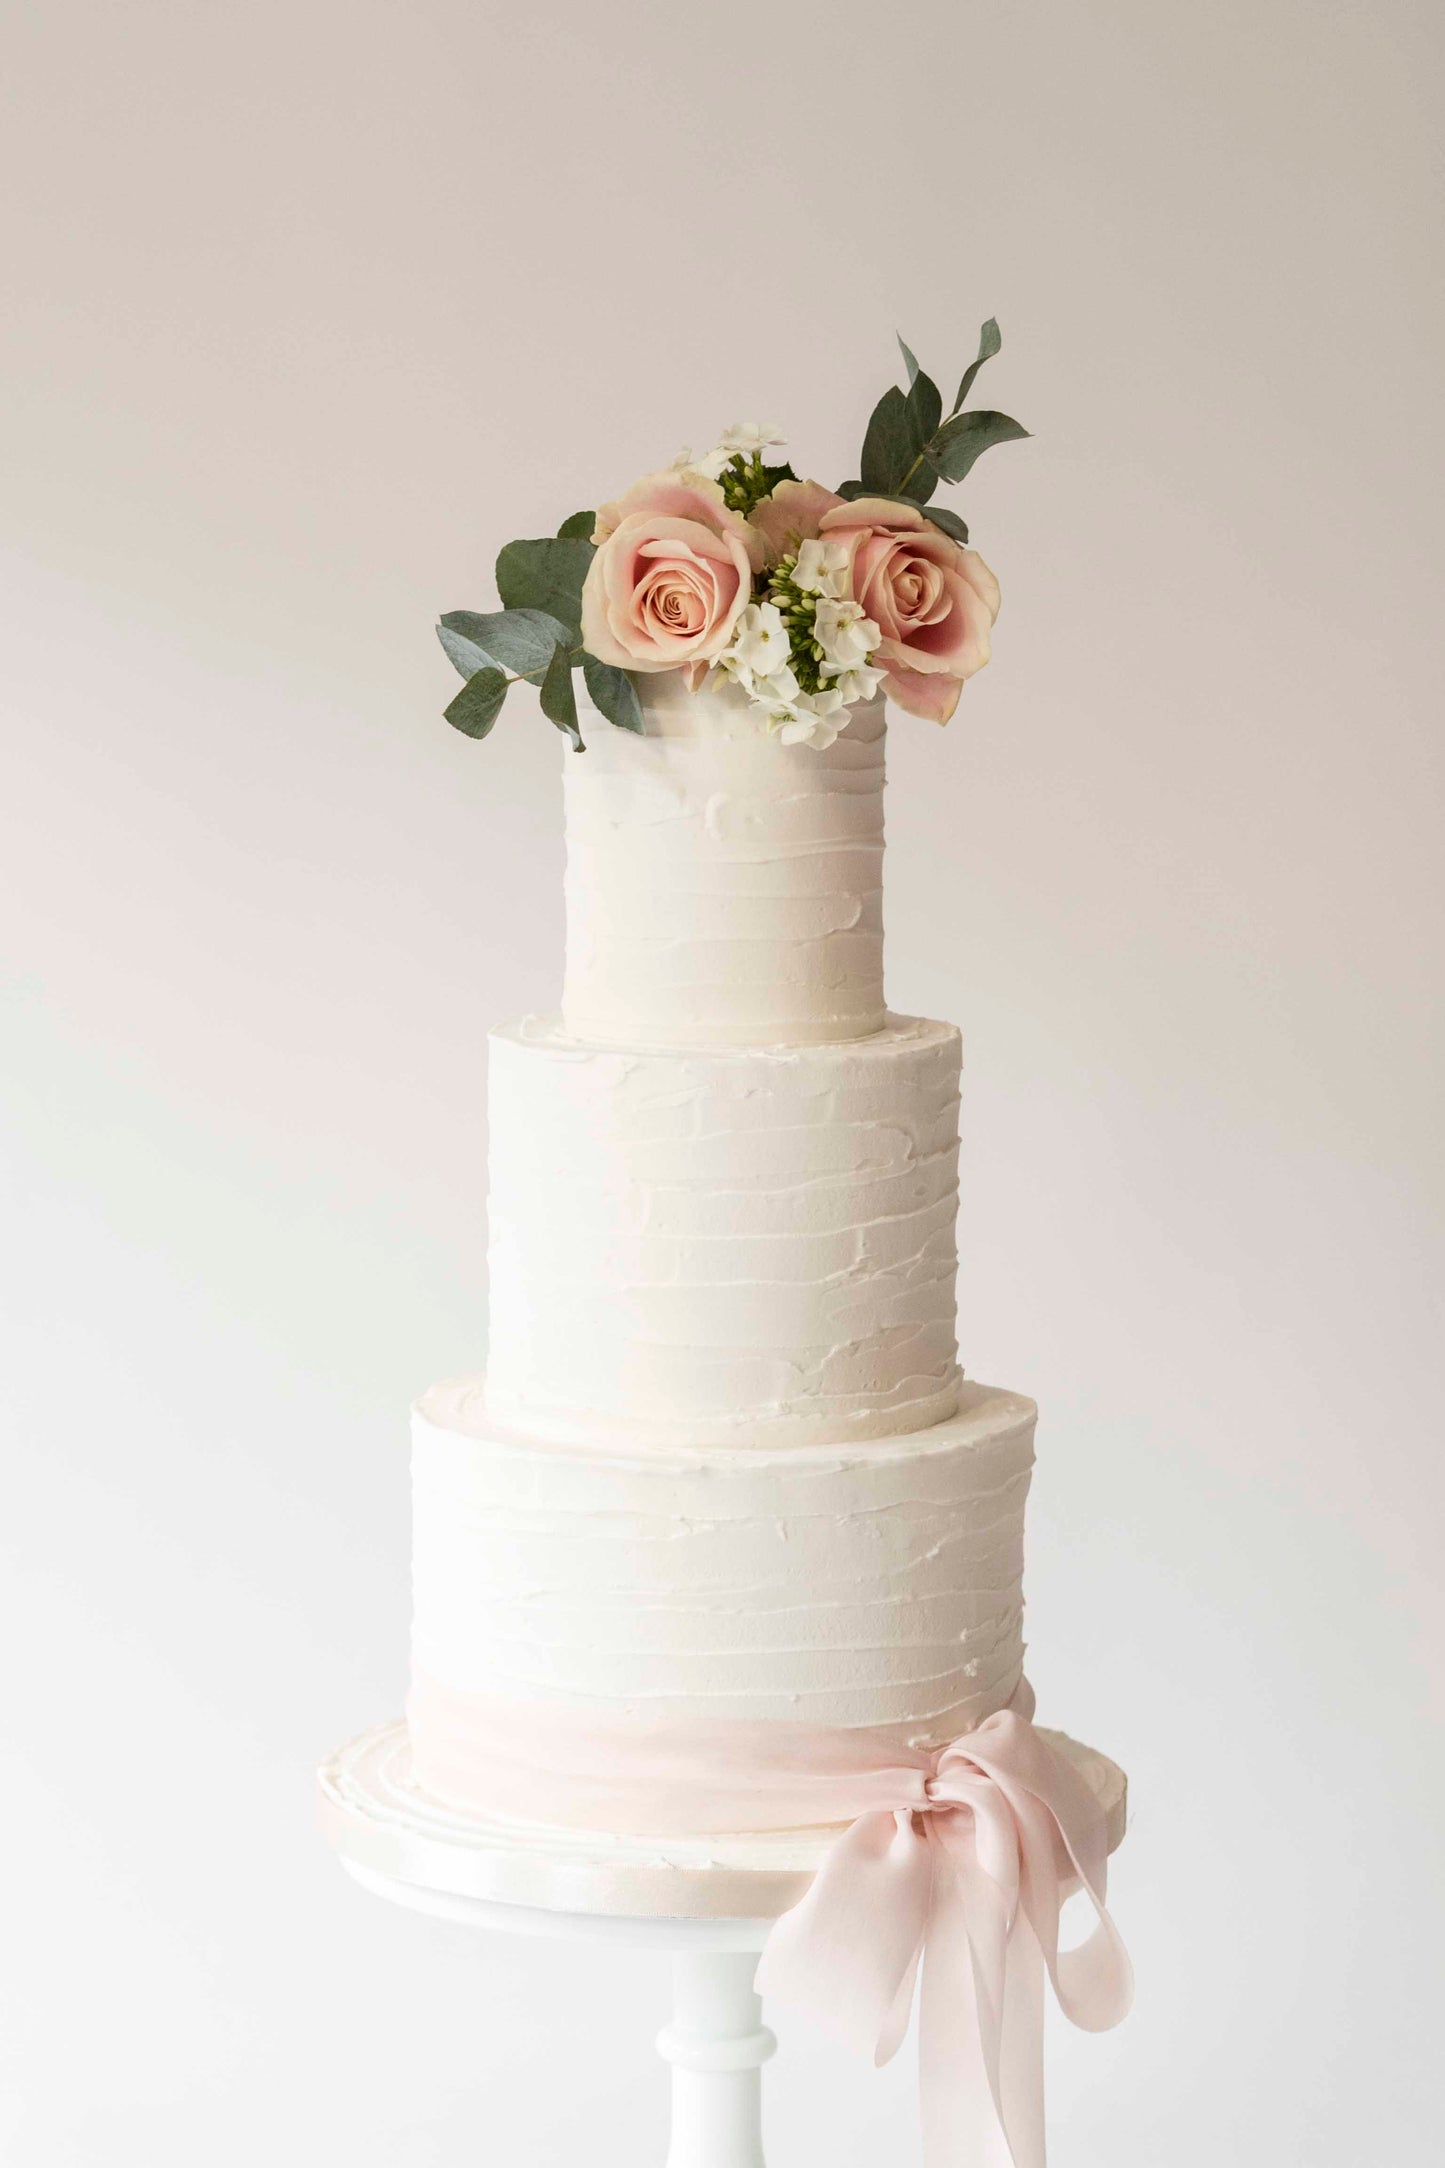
column 859, row 1585
column 745, row 1247
column 723, row 889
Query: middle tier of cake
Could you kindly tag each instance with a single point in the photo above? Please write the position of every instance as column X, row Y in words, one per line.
column 745, row 1247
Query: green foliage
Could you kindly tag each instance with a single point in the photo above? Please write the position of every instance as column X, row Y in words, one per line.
column 518, row 640
column 966, row 436
column 559, row 700
column 925, row 410
column 925, row 406
column 479, row 703
column 546, row 575
column 745, row 481
column 940, row 516
column 578, row 528
column 612, row 693
column 910, row 448
column 893, row 444
column 990, row 340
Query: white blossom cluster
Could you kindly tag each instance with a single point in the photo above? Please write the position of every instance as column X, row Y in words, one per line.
column 747, row 440
column 841, row 638
column 830, row 627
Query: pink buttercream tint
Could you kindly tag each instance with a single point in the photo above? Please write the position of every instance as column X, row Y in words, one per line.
column 658, row 1776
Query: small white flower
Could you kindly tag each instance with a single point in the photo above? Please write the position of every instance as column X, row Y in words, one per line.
column 860, row 683
column 759, row 644
column 826, row 701
column 751, row 438
column 816, row 720
column 845, row 635
column 707, row 464
column 728, row 666
column 822, row 569
column 777, row 691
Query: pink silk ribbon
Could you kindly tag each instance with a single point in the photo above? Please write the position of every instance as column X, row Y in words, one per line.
column 955, row 1861
column 965, row 1876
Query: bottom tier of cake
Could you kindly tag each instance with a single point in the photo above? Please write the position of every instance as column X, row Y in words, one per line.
column 581, row 1613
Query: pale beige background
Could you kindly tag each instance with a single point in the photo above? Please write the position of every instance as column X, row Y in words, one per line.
column 308, row 308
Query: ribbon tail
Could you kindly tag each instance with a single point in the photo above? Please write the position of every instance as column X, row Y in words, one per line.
column 961, row 2127
column 981, row 2020
column 848, row 1951
column 1062, row 1825
column 1021, row 2061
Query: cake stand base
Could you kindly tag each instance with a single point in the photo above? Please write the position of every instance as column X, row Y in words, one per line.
column 708, row 1901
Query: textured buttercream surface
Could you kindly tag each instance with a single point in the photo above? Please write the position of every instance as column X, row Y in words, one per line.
column 857, row 1585
column 722, row 888
column 750, row 1246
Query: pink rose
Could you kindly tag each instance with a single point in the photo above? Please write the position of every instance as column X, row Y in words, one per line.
column 672, row 574
column 933, row 600
column 791, row 515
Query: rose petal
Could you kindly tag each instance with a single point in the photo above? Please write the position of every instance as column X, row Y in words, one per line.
column 932, row 697
column 881, row 512
column 791, row 515
column 673, row 496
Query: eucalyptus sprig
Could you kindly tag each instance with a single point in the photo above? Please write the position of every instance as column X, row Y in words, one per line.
column 535, row 639
column 911, row 445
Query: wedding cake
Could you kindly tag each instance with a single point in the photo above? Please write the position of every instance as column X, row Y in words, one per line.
column 723, row 1542
column 722, row 1464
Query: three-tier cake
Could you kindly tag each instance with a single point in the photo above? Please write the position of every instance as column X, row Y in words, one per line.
column 722, row 1466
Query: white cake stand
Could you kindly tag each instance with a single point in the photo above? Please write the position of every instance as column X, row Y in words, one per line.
column 708, row 1901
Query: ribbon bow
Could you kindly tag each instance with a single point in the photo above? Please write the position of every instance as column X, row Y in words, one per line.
column 965, row 1876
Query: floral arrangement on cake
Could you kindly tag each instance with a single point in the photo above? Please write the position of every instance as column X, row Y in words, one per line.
column 805, row 598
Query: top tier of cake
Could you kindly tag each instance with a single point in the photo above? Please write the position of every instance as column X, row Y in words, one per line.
column 723, row 889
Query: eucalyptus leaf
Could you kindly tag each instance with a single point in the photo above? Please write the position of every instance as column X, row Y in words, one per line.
column 990, row 340
column 925, row 408
column 892, row 444
column 950, row 522
column 852, row 491
column 546, row 575
column 920, row 483
column 559, row 701
column 925, row 402
column 479, row 703
column 517, row 640
column 908, row 361
column 578, row 527
column 612, row 693
column 967, row 436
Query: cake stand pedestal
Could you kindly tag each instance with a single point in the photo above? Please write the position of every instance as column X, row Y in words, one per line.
column 708, row 1902
column 716, row 2041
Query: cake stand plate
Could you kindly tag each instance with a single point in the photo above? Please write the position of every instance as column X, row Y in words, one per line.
column 708, row 1900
